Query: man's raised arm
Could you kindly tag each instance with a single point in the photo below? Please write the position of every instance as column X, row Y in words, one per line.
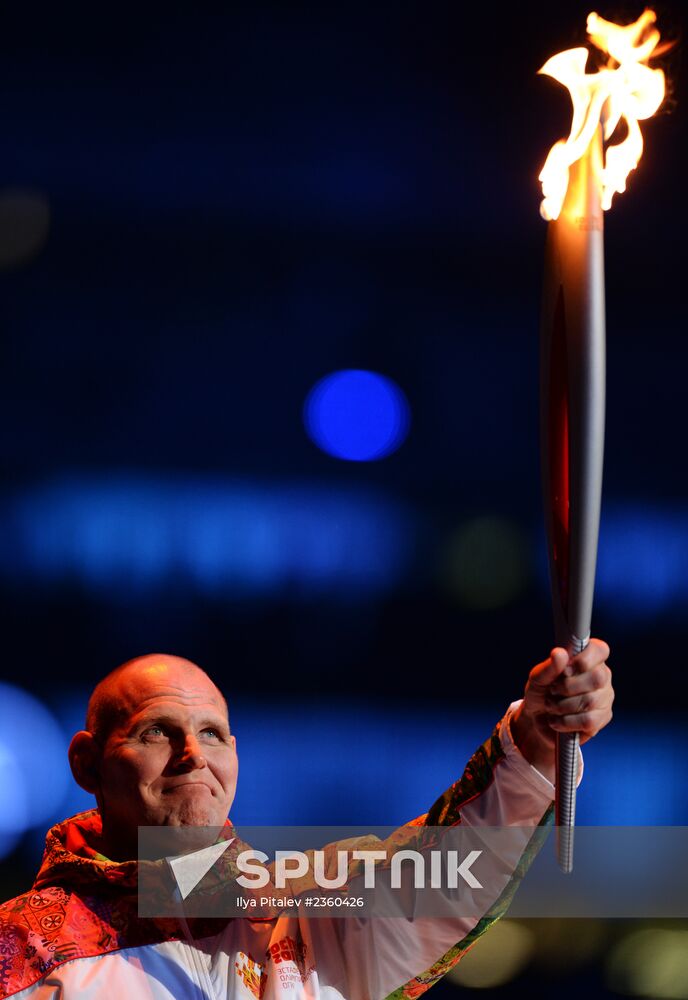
column 506, row 783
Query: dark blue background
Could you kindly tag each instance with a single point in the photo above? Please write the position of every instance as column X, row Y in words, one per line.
column 242, row 199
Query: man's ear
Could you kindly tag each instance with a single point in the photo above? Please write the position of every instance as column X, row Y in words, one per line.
column 84, row 760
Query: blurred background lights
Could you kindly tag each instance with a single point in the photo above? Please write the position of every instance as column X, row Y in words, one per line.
column 643, row 561
column 555, row 955
column 497, row 957
column 33, row 763
column 13, row 801
column 659, row 770
column 126, row 533
column 357, row 415
column 24, row 224
column 486, row 563
column 652, row 963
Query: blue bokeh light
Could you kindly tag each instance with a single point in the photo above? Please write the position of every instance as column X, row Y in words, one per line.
column 643, row 561
column 33, row 764
column 127, row 532
column 357, row 415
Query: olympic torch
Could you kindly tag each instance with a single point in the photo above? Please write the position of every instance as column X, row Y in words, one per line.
column 579, row 179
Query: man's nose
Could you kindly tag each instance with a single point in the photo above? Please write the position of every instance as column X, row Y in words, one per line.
column 192, row 754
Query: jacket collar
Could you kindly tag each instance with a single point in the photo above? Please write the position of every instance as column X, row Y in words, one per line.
column 73, row 859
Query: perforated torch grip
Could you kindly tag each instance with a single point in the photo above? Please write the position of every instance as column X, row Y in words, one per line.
column 565, row 805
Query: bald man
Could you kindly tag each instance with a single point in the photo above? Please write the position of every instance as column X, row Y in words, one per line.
column 157, row 751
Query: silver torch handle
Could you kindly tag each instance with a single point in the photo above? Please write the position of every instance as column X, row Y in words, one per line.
column 566, row 778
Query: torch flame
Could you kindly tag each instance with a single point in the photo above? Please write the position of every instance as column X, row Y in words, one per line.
column 625, row 89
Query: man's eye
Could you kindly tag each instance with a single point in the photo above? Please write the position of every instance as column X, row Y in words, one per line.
column 153, row 731
column 212, row 733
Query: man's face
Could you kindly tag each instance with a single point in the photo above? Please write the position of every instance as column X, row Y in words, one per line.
column 172, row 760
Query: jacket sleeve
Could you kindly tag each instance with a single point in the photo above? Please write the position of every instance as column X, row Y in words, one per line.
column 399, row 959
